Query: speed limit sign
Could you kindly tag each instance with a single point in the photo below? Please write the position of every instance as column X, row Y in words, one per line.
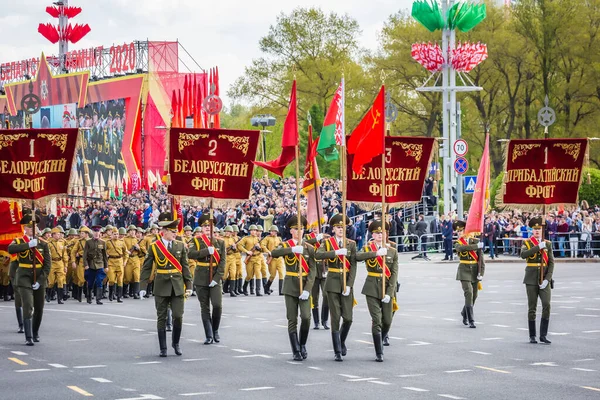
column 460, row 147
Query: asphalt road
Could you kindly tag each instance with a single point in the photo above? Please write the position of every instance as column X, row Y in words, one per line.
column 111, row 351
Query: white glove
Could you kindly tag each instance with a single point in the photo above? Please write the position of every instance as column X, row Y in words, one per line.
column 544, row 284
column 298, row 249
column 212, row 284
column 211, row 250
column 142, row 294
column 542, row 245
column 188, row 293
column 341, row 252
column 386, row 299
column 479, row 277
column 33, row 243
column 319, row 236
column 35, row 286
column 347, row 291
column 304, row 295
column 382, row 252
column 480, row 245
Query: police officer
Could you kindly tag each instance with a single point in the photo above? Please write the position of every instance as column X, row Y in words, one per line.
column 28, row 249
column 172, row 282
column 275, row 264
column 210, row 256
column 251, row 247
column 95, row 262
column 538, row 278
column 299, row 264
column 379, row 302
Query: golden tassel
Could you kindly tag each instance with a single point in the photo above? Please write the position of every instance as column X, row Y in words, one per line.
column 395, row 306
column 168, row 182
column 479, row 286
column 435, row 186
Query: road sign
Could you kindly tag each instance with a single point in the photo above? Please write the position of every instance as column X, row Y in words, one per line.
column 461, row 165
column 469, row 184
column 461, row 147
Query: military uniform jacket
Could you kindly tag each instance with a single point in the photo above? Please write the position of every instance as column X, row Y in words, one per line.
column 372, row 286
column 70, row 244
column 171, row 282
column 116, row 249
column 249, row 243
column 58, row 251
column 199, row 252
column 77, row 251
column 468, row 267
column 24, row 275
column 130, row 243
column 191, row 262
column 325, row 252
column 291, row 284
column 147, row 241
column 533, row 255
column 94, row 254
column 270, row 243
column 230, row 245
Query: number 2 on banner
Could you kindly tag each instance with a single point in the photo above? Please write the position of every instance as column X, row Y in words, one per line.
column 212, row 148
column 31, row 143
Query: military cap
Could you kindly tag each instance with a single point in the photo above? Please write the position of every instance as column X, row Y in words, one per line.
column 165, row 220
column 27, row 219
column 46, row 230
column 154, row 226
column 72, row 231
column 259, row 228
column 197, row 229
column 85, row 229
column 235, row 228
column 131, row 228
column 55, row 230
column 187, row 228
column 204, row 220
column 141, row 230
column 274, row 228
column 292, row 222
column 108, row 228
column 228, row 228
column 535, row 223
column 122, row 231
column 252, row 228
column 60, row 229
column 375, row 227
column 459, row 225
column 337, row 220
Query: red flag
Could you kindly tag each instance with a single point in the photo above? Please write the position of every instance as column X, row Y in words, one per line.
column 175, row 113
column 367, row 139
column 216, row 83
column 289, row 140
column 186, row 102
column 194, row 101
column 312, row 183
column 125, row 191
column 481, row 196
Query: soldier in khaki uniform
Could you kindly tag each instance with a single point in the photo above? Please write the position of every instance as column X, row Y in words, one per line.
column 263, row 264
column 379, row 302
column 173, row 280
column 299, row 264
column 4, row 276
column 251, row 247
column 210, row 256
column 239, row 274
column 60, row 259
column 340, row 297
column 151, row 236
column 70, row 278
column 471, row 269
column 116, row 252
column 77, row 262
column 229, row 275
column 131, row 278
column 275, row 264
column 538, row 278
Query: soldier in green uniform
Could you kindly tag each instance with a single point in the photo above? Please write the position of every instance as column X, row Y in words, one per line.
column 471, row 269
column 314, row 238
column 95, row 262
column 299, row 264
column 29, row 250
column 173, row 280
column 538, row 278
column 340, row 296
column 379, row 302
column 12, row 271
column 208, row 277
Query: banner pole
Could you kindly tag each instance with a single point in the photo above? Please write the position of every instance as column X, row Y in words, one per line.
column 299, row 216
column 383, row 213
column 33, row 251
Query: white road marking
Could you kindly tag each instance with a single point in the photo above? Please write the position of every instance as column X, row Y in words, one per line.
column 450, row 319
column 316, row 368
column 258, row 388
column 410, row 375
column 415, row 389
column 195, row 359
column 253, row 355
column 584, row 369
column 144, row 397
column 449, row 396
column 120, row 326
column 396, row 338
column 457, row 371
column 195, row 394
column 361, row 379
column 558, row 333
column 281, row 326
column 380, row 382
column 19, row 353
column 295, row 362
column 492, row 369
column 592, row 309
column 587, row 315
column 591, row 331
column 32, row 370
column 241, row 350
column 78, row 340
column 483, row 353
column 418, row 343
column 500, row 326
column 584, row 359
column 242, row 316
column 349, row 376
column 101, row 380
column 310, row 384
column 148, row 362
column 545, row 364
column 89, row 366
column 492, row 338
column 57, row 365
column 138, row 330
column 103, row 324
column 363, row 341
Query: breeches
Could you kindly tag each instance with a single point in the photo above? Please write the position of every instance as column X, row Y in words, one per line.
column 230, row 268
column 253, row 266
column 57, row 274
column 276, row 267
column 533, row 292
column 292, row 305
column 340, row 307
column 94, row 276
column 115, row 271
column 470, row 291
column 208, row 296
column 162, row 306
column 132, row 270
column 381, row 314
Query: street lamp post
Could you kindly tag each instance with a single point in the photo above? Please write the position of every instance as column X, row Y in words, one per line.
column 263, row 120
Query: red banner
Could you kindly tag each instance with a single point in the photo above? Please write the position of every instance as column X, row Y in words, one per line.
column 35, row 163
column 406, row 163
column 10, row 215
column 544, row 171
column 212, row 163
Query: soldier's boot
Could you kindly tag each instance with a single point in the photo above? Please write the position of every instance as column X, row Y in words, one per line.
column 268, row 290
column 226, row 286
column 47, row 295
column 136, row 290
column 532, row 333
column 19, row 312
column 208, row 331
column 65, row 293
column 28, row 334
column 126, row 291
column 544, row 331
column 464, row 315
column 385, row 338
column 53, row 293
column 6, row 293
column 252, row 286
column 11, row 290
column 325, row 316
column 175, row 339
column 315, row 313
column 344, row 335
column 216, row 322
column 258, row 291
column 337, row 346
column 132, row 289
column 281, row 287
column 119, row 294
column 264, row 285
column 148, row 290
column 303, row 340
column 232, row 286
column 378, row 347
column 169, row 320
column 246, row 288
column 295, row 346
column 111, row 292
column 2, row 291
column 240, row 286
column 99, row 296
column 60, row 295
column 88, row 295
column 104, row 291
column 470, row 317
column 162, row 342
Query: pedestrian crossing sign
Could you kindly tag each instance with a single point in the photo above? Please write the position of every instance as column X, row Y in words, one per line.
column 469, row 184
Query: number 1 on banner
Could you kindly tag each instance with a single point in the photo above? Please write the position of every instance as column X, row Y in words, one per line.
column 545, row 156
column 31, row 142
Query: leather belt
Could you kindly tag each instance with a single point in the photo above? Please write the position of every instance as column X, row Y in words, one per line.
column 534, row 264
column 338, row 270
column 30, row 266
column 295, row 274
column 167, row 271
column 375, row 274
column 467, row 262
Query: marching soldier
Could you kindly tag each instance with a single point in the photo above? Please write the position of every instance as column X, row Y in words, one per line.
column 28, row 249
column 117, row 258
column 380, row 304
column 151, row 236
column 70, row 278
column 299, row 264
column 538, row 278
column 251, row 247
column 340, row 297
column 263, row 264
column 238, row 263
column 471, row 269
column 77, row 263
column 173, row 280
column 60, row 259
column 275, row 264
column 131, row 276
column 12, row 271
column 229, row 275
column 210, row 259
column 95, row 263
column 4, row 276
column 314, row 238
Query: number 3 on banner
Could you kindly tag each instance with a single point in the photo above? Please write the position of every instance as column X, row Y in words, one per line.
column 31, row 142
column 388, row 155
column 212, row 148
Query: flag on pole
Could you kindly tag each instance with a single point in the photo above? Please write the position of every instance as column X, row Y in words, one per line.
column 333, row 133
column 216, row 82
column 186, row 99
column 289, row 140
column 312, row 183
column 481, row 196
column 367, row 141
column 175, row 113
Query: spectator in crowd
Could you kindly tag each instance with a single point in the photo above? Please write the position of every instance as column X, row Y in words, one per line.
column 447, row 235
